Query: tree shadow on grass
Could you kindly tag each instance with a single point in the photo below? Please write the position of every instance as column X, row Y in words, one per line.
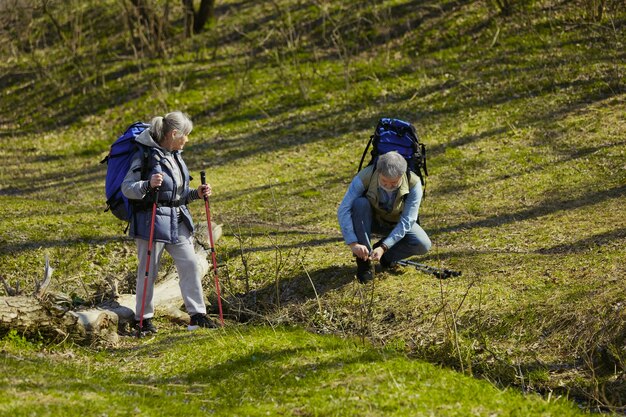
column 573, row 154
column 17, row 248
column 271, row 367
column 322, row 241
column 548, row 207
column 293, row 130
column 613, row 237
column 61, row 181
column 253, row 361
column 305, row 286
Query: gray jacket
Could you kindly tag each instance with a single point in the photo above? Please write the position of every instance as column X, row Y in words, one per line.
column 173, row 195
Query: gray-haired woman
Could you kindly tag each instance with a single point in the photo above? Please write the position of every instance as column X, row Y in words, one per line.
column 383, row 199
column 173, row 226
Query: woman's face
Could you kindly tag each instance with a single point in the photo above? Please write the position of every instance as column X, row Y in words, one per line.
column 174, row 142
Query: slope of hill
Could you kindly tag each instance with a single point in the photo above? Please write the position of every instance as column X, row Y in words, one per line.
column 522, row 113
column 247, row 371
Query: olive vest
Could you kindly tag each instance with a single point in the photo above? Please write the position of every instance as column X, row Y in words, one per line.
column 369, row 177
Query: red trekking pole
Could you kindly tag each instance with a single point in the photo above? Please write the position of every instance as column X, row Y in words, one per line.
column 207, row 208
column 150, row 243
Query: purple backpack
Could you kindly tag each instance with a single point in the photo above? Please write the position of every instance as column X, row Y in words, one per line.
column 118, row 163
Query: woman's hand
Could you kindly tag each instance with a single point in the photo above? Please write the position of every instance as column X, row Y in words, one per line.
column 156, row 180
column 204, row 190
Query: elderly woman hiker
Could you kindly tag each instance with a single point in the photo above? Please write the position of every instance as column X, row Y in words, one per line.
column 383, row 199
column 167, row 175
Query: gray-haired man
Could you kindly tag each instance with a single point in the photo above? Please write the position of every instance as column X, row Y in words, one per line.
column 384, row 200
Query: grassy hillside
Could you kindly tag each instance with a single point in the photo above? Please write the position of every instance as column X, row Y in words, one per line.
column 248, row 371
column 523, row 116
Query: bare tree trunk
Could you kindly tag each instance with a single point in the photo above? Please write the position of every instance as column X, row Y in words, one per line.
column 49, row 315
column 147, row 17
column 189, row 17
column 31, row 316
column 150, row 30
column 205, row 14
column 595, row 9
column 55, row 22
column 504, row 6
column 195, row 21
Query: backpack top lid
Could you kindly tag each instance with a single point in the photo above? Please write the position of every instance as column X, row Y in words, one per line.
column 395, row 135
column 400, row 136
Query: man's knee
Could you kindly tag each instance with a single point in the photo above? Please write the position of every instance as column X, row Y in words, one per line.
column 360, row 204
column 361, row 209
column 420, row 246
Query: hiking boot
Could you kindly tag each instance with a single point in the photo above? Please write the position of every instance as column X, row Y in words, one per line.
column 201, row 320
column 364, row 271
column 385, row 265
column 146, row 326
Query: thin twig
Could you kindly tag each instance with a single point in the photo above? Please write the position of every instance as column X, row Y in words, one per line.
column 317, row 297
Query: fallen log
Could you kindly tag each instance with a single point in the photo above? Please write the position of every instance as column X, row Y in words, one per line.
column 52, row 316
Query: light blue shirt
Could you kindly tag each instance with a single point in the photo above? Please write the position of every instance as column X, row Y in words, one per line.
column 407, row 218
column 386, row 199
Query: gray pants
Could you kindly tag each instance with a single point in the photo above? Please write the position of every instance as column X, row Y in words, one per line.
column 186, row 263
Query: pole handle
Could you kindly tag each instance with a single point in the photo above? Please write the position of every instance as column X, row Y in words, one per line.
column 203, row 181
column 157, row 170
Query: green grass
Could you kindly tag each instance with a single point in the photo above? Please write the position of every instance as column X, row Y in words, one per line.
column 246, row 371
column 523, row 120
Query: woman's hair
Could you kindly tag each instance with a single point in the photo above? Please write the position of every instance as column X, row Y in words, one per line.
column 176, row 120
column 391, row 165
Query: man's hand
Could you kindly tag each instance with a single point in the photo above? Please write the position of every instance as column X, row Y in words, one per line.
column 360, row 251
column 377, row 253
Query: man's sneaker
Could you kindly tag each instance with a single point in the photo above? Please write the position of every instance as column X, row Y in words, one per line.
column 364, row 271
column 146, row 326
column 200, row 320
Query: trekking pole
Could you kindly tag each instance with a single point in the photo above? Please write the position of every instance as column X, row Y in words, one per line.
column 367, row 239
column 150, row 243
column 207, row 208
column 441, row 273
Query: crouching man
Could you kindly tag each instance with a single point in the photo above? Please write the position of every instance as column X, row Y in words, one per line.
column 382, row 199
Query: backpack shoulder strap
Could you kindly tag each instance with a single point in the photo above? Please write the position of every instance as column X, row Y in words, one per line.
column 145, row 162
column 366, row 175
column 365, row 152
column 145, row 153
column 413, row 179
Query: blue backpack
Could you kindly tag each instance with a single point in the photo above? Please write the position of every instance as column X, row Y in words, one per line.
column 400, row 136
column 118, row 163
